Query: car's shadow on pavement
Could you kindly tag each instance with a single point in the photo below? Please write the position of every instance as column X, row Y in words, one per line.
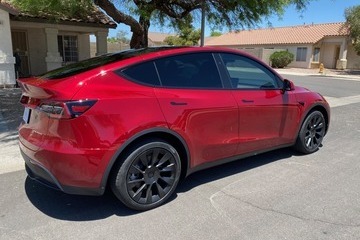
column 64, row 206
column 235, row 167
column 87, row 208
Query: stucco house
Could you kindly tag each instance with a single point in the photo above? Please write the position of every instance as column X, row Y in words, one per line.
column 157, row 38
column 43, row 44
column 327, row 43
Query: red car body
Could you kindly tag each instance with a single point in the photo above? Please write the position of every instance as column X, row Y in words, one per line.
column 81, row 123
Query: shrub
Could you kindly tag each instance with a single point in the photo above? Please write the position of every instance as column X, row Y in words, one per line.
column 281, row 59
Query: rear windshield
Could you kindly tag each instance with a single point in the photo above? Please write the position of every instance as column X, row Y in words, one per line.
column 85, row 65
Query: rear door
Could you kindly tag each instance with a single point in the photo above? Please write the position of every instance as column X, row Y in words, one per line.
column 196, row 106
column 267, row 115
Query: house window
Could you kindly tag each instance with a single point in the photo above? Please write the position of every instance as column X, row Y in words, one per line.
column 68, row 48
column 316, row 56
column 301, row 54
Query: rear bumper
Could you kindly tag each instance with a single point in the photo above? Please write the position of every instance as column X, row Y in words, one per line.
column 41, row 174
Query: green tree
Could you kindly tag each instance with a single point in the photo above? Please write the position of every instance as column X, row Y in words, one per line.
column 113, row 40
column 352, row 16
column 215, row 34
column 56, row 8
column 138, row 14
column 122, row 36
column 281, row 59
column 187, row 35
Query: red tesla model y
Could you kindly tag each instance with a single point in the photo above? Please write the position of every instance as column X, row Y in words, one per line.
column 140, row 120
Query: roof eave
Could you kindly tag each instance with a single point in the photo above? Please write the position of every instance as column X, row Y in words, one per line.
column 8, row 9
column 63, row 22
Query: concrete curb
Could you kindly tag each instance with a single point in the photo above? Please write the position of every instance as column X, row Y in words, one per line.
column 345, row 77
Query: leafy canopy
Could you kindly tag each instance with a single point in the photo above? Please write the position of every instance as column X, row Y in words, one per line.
column 352, row 16
column 139, row 14
column 281, row 59
column 215, row 34
column 187, row 35
column 58, row 9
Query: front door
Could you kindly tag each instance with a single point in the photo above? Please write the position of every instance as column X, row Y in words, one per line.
column 337, row 55
column 20, row 48
column 267, row 116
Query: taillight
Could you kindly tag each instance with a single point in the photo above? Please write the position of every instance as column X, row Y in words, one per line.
column 58, row 109
column 66, row 110
column 76, row 108
column 31, row 102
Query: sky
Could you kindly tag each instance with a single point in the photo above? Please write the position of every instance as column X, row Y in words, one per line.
column 318, row 11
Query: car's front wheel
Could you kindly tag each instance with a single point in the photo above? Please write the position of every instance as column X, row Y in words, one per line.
column 148, row 175
column 311, row 133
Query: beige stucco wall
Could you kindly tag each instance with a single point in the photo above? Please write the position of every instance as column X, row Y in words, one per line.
column 305, row 64
column 7, row 61
column 84, row 46
column 353, row 59
column 328, row 51
column 264, row 51
column 36, row 50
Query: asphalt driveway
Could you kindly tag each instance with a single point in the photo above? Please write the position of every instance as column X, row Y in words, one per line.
column 276, row 195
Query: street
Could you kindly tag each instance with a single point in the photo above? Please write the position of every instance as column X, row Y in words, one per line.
column 276, row 195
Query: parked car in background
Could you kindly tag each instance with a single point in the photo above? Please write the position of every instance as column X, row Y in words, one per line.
column 140, row 120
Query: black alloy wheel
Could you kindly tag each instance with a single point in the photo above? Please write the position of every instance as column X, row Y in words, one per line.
column 311, row 133
column 148, row 176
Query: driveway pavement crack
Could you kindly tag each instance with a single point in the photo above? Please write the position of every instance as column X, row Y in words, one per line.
column 287, row 214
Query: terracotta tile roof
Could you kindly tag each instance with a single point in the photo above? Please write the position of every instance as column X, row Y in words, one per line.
column 8, row 8
column 95, row 17
column 157, row 37
column 304, row 34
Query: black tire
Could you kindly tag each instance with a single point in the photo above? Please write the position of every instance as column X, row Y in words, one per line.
column 311, row 133
column 148, row 176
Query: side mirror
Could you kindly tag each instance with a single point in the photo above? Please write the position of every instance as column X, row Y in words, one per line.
column 288, row 85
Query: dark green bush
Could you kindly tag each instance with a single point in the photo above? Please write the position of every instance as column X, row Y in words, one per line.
column 281, row 59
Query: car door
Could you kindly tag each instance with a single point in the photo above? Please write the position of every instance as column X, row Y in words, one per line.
column 197, row 107
column 268, row 116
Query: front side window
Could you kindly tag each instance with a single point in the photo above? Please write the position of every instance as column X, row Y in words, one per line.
column 68, row 48
column 301, row 53
column 246, row 73
column 196, row 70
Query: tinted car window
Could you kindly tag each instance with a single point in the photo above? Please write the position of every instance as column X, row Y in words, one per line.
column 189, row 71
column 144, row 73
column 246, row 73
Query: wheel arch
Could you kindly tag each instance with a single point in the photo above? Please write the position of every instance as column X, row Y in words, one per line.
column 169, row 136
column 316, row 107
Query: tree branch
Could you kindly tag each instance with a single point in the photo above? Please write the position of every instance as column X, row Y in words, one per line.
column 118, row 16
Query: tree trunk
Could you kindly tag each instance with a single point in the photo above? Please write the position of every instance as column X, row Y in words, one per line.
column 140, row 39
column 139, row 29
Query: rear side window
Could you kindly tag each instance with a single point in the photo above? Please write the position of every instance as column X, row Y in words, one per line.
column 196, row 70
column 246, row 73
column 143, row 73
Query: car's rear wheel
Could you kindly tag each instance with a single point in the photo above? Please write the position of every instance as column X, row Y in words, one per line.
column 148, row 176
column 311, row 133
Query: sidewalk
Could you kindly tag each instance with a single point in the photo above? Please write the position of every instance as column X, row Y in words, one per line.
column 345, row 74
column 10, row 117
column 10, row 109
